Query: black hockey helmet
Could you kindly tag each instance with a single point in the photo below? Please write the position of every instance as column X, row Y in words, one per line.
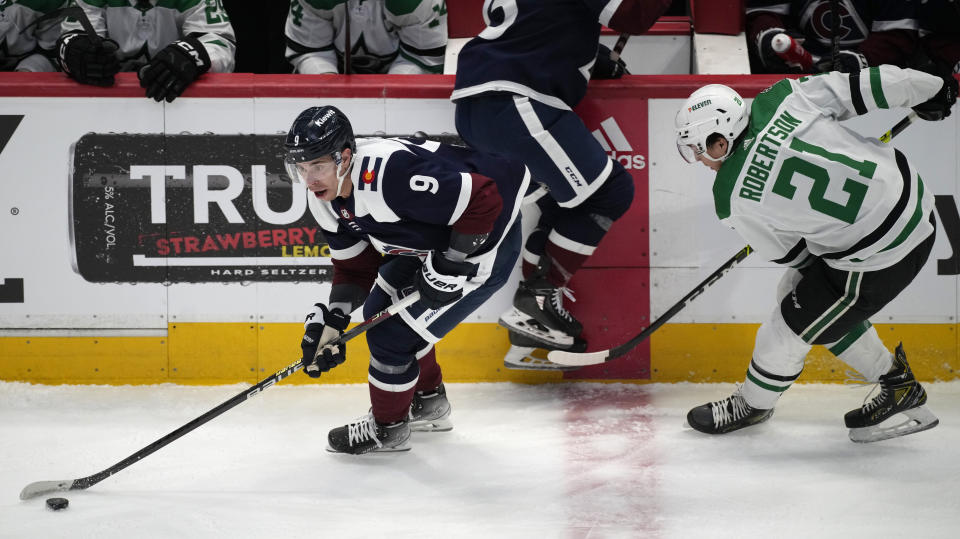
column 319, row 131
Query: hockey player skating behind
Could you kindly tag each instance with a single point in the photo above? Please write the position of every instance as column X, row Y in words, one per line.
column 781, row 170
column 446, row 219
column 517, row 84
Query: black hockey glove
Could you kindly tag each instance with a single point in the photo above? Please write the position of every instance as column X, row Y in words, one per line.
column 440, row 280
column 606, row 67
column 771, row 61
column 322, row 326
column 938, row 107
column 850, row 62
column 88, row 59
column 173, row 69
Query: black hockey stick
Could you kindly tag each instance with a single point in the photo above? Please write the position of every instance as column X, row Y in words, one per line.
column 583, row 359
column 618, row 50
column 835, row 30
column 73, row 11
column 575, row 359
column 45, row 487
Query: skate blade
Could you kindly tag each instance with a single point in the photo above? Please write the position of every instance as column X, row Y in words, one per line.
column 404, row 446
column 515, row 320
column 521, row 358
column 443, row 424
column 437, row 425
column 918, row 419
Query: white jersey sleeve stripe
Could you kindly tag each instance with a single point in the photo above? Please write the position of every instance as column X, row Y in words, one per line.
column 608, row 11
column 466, row 188
column 349, row 252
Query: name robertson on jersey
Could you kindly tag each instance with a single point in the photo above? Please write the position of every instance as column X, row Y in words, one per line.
column 765, row 155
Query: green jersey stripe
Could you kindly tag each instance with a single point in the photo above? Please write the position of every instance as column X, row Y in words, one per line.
column 876, row 87
column 913, row 222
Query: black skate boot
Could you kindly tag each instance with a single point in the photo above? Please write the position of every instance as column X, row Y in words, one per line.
column 520, row 356
column 899, row 393
column 727, row 415
column 430, row 411
column 538, row 313
column 366, row 435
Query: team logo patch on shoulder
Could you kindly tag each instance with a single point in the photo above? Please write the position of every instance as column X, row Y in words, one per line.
column 371, row 169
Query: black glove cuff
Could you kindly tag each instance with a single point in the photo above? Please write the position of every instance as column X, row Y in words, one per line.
column 335, row 319
column 449, row 267
column 193, row 49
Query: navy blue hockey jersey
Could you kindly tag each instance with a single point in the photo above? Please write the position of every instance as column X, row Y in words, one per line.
column 407, row 194
column 542, row 49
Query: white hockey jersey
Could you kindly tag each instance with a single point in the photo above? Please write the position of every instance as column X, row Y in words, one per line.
column 143, row 27
column 799, row 183
column 29, row 50
column 386, row 36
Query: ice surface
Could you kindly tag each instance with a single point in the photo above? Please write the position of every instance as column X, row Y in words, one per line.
column 564, row 460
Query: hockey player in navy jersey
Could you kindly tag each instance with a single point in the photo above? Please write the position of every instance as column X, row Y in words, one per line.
column 401, row 215
column 517, row 83
column 848, row 216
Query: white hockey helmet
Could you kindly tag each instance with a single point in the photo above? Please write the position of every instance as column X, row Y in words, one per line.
column 714, row 108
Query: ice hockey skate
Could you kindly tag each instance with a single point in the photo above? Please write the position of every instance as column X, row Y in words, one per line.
column 538, row 313
column 727, row 415
column 430, row 411
column 521, row 356
column 365, row 435
column 900, row 393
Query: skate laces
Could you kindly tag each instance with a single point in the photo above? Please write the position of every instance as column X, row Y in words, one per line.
column 556, row 299
column 364, row 428
column 737, row 409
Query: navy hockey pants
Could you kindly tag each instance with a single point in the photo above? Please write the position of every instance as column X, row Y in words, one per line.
column 398, row 352
column 587, row 189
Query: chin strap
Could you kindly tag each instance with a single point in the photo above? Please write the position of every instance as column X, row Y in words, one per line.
column 341, row 174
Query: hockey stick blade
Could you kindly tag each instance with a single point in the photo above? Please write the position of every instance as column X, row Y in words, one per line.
column 43, row 487
column 595, row 358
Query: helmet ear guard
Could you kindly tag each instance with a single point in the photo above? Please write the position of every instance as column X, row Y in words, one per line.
column 714, row 108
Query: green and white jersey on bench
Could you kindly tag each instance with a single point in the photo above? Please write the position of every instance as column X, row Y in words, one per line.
column 143, row 27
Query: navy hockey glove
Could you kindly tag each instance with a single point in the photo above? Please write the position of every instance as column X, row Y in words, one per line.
column 606, row 67
column 173, row 69
column 938, row 107
column 322, row 326
column 88, row 59
column 440, row 280
column 850, row 62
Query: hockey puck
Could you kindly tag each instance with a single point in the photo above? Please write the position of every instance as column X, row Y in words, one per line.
column 57, row 503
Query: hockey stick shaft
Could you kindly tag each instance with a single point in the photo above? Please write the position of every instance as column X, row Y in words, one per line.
column 583, row 359
column 595, row 358
column 44, row 487
column 618, row 49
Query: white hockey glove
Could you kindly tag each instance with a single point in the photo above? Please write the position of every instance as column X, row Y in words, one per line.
column 321, row 327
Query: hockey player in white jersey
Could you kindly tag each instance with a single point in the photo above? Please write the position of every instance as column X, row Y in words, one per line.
column 849, row 216
column 169, row 43
column 25, row 43
column 386, row 36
